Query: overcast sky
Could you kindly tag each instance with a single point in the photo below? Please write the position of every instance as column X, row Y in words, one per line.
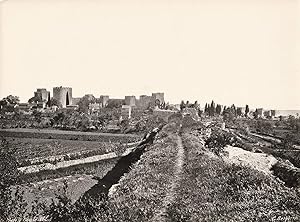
column 232, row 51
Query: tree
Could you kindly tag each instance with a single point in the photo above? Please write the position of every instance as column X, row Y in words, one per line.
column 48, row 101
column 218, row 109
column 55, row 102
column 196, row 105
column 84, row 103
column 228, row 115
column 9, row 100
column 187, row 104
column 182, row 105
column 212, row 109
column 224, row 109
column 205, row 108
column 34, row 99
column 255, row 114
column 239, row 111
column 113, row 103
column 12, row 99
column 233, row 109
column 247, row 110
column 3, row 103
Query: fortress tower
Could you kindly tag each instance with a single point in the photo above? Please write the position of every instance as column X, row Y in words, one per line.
column 158, row 97
column 42, row 95
column 63, row 95
column 130, row 100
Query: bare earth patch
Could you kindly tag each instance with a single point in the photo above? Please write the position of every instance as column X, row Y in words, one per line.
column 259, row 161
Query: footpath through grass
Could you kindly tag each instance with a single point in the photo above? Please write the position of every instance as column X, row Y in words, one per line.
column 213, row 190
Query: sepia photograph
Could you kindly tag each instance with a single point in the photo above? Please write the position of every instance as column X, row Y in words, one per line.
column 149, row 110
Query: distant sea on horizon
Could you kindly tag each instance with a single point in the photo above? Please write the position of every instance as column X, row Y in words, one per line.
column 287, row 112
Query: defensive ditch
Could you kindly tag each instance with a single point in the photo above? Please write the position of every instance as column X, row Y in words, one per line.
column 101, row 189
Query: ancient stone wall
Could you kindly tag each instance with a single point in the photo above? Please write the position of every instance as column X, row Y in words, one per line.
column 144, row 102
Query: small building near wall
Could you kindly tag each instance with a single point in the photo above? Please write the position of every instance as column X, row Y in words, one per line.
column 126, row 112
column 41, row 105
column 260, row 112
column 94, row 107
column 268, row 114
column 24, row 107
column 72, row 107
column 103, row 100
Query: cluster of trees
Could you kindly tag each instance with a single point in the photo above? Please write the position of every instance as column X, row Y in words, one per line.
column 213, row 109
column 184, row 105
column 83, row 104
column 9, row 101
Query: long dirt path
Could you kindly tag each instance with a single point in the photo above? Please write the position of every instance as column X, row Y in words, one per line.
column 169, row 199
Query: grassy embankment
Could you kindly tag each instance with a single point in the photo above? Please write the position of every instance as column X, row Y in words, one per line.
column 210, row 189
column 213, row 190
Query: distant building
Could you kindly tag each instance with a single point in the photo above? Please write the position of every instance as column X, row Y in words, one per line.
column 41, row 105
column 93, row 107
column 126, row 112
column 90, row 97
column 259, row 112
column 72, row 107
column 103, row 100
column 157, row 98
column 268, row 113
column 273, row 113
column 130, row 100
column 241, row 110
column 63, row 95
column 42, row 95
column 24, row 107
column 144, row 102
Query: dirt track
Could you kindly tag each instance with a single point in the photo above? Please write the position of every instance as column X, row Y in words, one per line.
column 169, row 199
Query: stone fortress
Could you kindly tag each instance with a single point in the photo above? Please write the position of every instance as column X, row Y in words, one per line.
column 64, row 96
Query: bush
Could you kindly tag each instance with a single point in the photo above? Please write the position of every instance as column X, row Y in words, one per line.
column 219, row 139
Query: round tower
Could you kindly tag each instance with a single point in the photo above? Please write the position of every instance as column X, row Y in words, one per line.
column 63, row 95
